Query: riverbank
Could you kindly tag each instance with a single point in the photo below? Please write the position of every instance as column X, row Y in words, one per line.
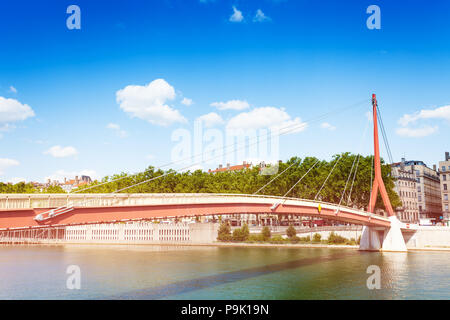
column 223, row 244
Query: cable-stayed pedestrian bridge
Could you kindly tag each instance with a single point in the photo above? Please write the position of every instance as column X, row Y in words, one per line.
column 61, row 210
column 22, row 211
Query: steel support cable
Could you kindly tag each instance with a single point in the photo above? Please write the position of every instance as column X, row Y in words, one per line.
column 274, row 178
column 383, row 132
column 357, row 163
column 300, row 179
column 354, row 175
column 282, row 131
column 329, row 174
column 351, row 170
column 200, row 162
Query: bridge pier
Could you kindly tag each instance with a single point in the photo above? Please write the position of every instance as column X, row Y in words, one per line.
column 390, row 239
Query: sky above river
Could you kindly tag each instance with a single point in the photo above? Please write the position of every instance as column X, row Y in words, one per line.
column 122, row 84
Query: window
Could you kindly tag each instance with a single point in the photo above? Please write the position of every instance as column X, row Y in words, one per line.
column 446, row 197
column 444, row 177
column 445, row 186
column 420, row 198
column 443, row 168
column 446, row 207
column 417, row 173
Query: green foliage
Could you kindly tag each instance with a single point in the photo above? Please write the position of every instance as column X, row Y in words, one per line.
column 265, row 232
column 241, row 234
column 20, row 187
column 54, row 189
column 23, row 187
column 277, row 239
column 290, row 232
column 334, row 238
column 317, row 237
column 250, row 180
column 224, row 233
column 256, row 238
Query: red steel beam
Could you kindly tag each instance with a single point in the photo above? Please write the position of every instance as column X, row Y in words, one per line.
column 25, row 217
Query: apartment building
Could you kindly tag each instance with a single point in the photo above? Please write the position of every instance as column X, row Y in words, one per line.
column 406, row 188
column 444, row 173
column 428, row 187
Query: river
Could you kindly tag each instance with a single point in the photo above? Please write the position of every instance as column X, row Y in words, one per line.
column 196, row 272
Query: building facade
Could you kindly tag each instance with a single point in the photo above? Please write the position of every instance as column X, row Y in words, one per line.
column 406, row 188
column 428, row 188
column 444, row 173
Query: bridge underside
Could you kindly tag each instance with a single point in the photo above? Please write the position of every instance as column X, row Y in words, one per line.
column 24, row 218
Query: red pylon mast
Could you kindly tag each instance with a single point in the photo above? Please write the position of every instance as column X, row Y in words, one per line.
column 378, row 183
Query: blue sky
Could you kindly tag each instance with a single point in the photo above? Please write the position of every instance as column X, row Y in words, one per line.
column 273, row 63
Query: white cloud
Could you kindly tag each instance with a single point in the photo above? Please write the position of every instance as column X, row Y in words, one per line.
column 6, row 163
column 61, row 152
column 12, row 89
column 12, row 110
column 260, row 16
column 326, row 125
column 149, row 102
column 438, row 113
column 407, row 120
column 236, row 16
column 187, row 102
column 61, row 174
column 416, row 132
column 115, row 127
column 231, row 105
column 267, row 117
column 211, row 119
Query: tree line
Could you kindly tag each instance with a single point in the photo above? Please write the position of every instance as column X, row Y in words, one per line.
column 250, row 180
column 23, row 187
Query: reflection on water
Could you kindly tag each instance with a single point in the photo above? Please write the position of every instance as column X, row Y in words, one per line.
column 182, row 272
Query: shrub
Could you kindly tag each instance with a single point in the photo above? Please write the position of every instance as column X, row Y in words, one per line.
column 265, row 233
column 336, row 239
column 256, row 238
column 306, row 239
column 241, row 234
column 290, row 232
column 224, row 233
column 277, row 239
column 295, row 239
column 317, row 237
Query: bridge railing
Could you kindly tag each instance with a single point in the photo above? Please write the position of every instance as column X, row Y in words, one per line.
column 26, row 201
column 30, row 201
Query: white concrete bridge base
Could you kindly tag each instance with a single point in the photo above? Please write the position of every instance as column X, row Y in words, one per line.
column 374, row 239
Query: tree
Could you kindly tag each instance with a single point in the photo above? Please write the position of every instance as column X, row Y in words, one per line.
column 224, row 233
column 265, row 233
column 241, row 234
column 317, row 237
column 290, row 232
column 247, row 181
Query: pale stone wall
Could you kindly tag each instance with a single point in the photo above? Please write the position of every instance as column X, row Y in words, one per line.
column 118, row 233
column 426, row 237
